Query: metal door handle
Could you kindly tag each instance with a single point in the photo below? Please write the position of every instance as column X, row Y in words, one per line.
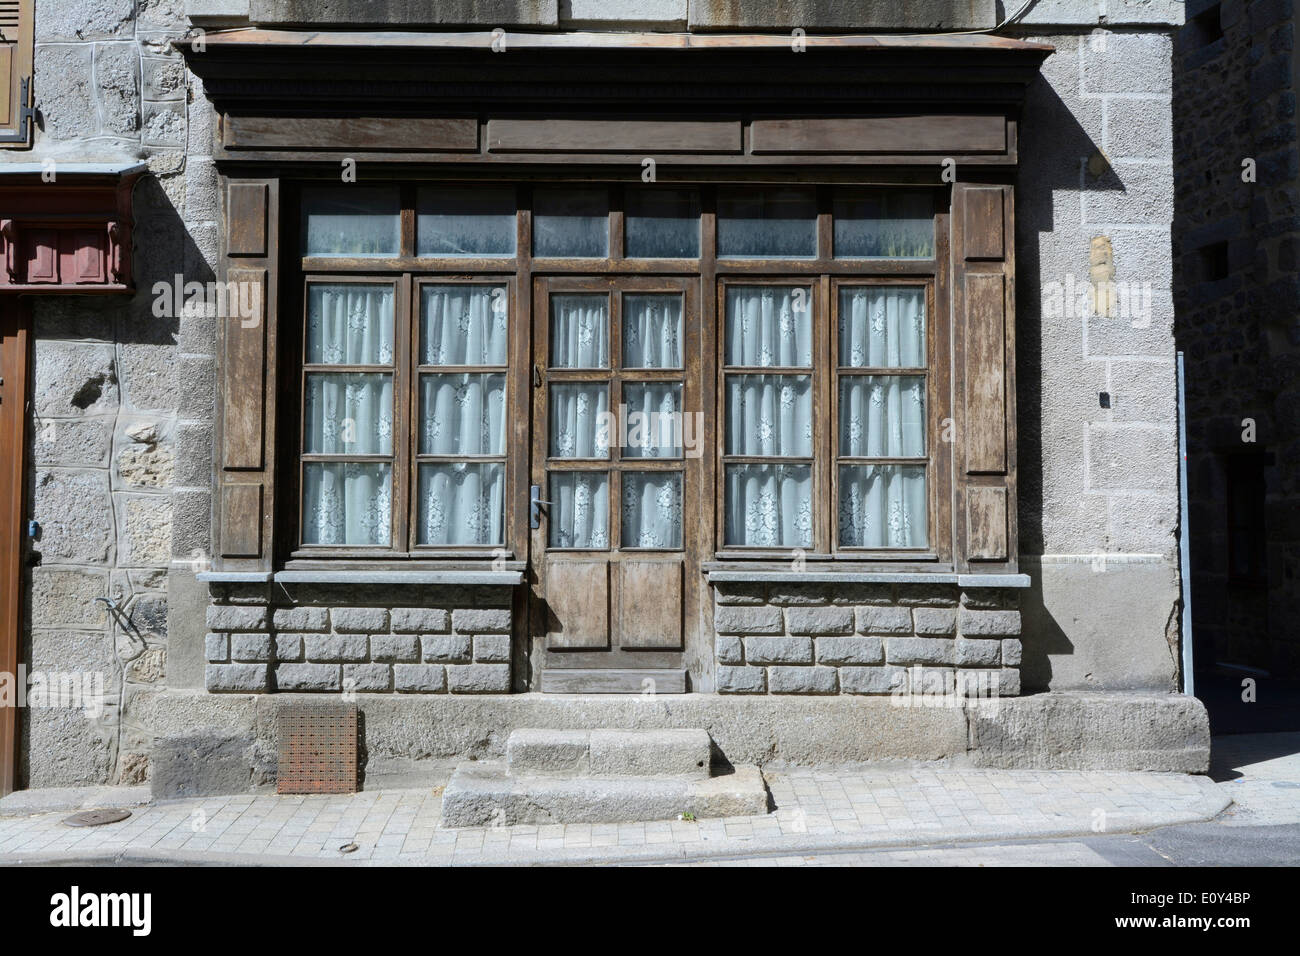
column 535, row 506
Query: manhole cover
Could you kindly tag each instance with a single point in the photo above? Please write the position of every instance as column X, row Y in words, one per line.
column 96, row 818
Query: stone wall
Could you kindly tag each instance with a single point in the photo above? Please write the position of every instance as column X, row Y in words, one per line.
column 1236, row 244
column 420, row 640
column 863, row 638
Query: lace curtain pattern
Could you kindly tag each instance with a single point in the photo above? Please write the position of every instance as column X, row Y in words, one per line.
column 883, row 506
column 462, row 503
column 579, row 511
column 769, row 326
column 652, row 331
column 882, row 327
column 652, row 509
column 769, row 506
column 463, row 325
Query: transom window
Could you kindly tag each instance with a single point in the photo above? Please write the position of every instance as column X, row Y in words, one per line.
column 418, row 365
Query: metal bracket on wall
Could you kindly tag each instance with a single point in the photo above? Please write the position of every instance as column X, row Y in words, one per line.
column 25, row 115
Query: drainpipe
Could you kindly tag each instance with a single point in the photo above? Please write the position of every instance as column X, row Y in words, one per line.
column 1184, row 539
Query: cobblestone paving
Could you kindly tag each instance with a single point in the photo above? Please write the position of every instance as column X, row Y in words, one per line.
column 820, row 810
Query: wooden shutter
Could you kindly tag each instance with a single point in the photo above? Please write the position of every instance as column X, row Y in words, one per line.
column 244, row 505
column 17, row 23
column 984, row 380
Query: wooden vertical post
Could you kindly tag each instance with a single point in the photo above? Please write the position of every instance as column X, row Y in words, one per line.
column 15, row 325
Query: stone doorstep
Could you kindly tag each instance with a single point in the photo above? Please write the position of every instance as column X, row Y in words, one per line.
column 484, row 794
column 601, row 753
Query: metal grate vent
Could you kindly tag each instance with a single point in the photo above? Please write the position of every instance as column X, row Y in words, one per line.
column 318, row 748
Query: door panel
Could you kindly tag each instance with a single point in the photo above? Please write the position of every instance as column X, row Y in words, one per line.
column 15, row 321
column 614, row 562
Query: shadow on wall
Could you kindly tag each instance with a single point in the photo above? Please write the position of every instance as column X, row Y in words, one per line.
column 1056, row 154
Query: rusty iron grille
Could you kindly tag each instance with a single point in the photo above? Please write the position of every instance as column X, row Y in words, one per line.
column 318, row 748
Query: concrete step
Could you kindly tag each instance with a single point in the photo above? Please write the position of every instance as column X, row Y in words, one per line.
column 483, row 794
column 605, row 753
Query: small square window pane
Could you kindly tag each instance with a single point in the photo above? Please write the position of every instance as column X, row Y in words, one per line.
column 654, row 422
column 352, row 221
column 882, row 416
column 769, row 325
column 884, row 224
column 465, row 221
column 349, row 323
column 883, row 506
column 580, row 331
column 464, row 325
column 461, row 503
column 768, row 506
column 571, row 222
column 348, row 413
column 769, row 415
column 580, row 420
column 767, row 224
column 463, row 414
column 882, row 327
column 652, row 509
column 578, row 514
column 347, row 503
column 652, row 330
column 662, row 223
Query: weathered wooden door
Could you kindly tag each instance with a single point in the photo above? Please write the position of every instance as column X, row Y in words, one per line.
column 14, row 327
column 617, row 436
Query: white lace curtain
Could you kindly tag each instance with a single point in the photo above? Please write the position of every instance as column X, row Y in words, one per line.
column 579, row 510
column 883, row 506
column 580, row 331
column 882, row 327
column 463, row 325
column 462, row 503
column 652, row 509
column 652, row 331
column 769, row 326
column 769, row 506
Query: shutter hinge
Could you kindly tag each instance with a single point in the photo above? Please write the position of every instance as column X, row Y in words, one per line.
column 25, row 115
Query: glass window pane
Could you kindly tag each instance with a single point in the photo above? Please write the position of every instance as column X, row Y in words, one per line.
column 348, row 413
column 571, row 222
column 465, row 221
column 652, row 415
column 464, row 325
column 349, row 323
column 662, row 224
column 769, row 325
column 884, row 224
column 652, row 509
column 352, row 221
column 883, row 506
column 882, row 327
column 347, row 503
column 579, row 509
column 580, row 420
column 769, row 506
column 652, row 331
column 882, row 416
column 767, row 223
column 580, row 331
column 769, row 415
column 463, row 414
column 461, row 503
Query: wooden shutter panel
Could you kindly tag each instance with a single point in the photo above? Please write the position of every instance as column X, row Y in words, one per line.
column 17, row 28
column 984, row 377
column 244, row 503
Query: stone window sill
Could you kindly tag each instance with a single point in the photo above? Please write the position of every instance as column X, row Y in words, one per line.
column 463, row 576
column 730, row 574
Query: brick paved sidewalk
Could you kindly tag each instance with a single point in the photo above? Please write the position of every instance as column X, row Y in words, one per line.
column 815, row 810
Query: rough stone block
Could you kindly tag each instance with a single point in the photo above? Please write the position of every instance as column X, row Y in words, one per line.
column 973, row 623
column 978, row 653
column 802, row 680
column 360, row 620
column 216, row 648
column 492, row 648
column 478, row 678
column 301, row 619
column 420, row 620
column 367, row 677
column 850, row 650
column 938, row 621
column 237, row 678
column 288, row 647
column 231, row 617
column 798, row 594
column 884, row 620
column 336, row 647
column 861, row 594
column 307, row 677
column 1008, row 682
column 989, row 599
column 742, row 680
column 1011, row 652
column 872, row 680
column 819, row 620
column 195, row 765
column 419, row 678
column 394, row 647
column 728, row 619
column 480, row 620
column 76, row 517
column 647, row 753
column 729, row 650
column 250, row 647
column 779, row 650
column 927, row 595
column 739, row 593
column 451, row 648
column 919, row 650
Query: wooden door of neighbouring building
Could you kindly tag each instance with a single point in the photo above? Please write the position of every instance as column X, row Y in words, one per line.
column 13, row 397
column 615, row 481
